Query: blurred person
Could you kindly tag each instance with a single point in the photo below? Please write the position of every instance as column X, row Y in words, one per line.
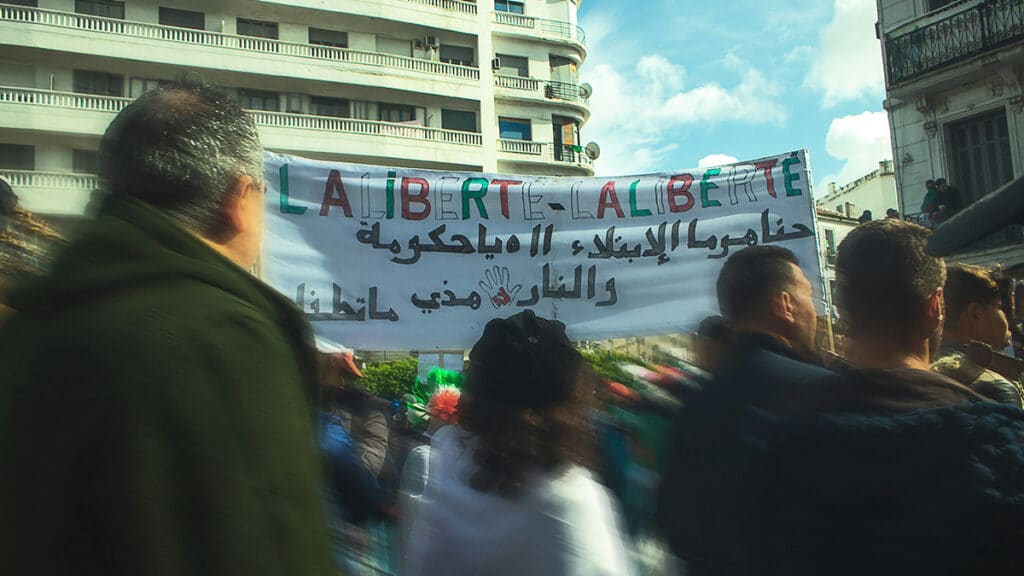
column 157, row 409
column 713, row 343
column 892, row 213
column 929, row 204
column 355, row 409
column 914, row 473
column 975, row 318
column 507, row 491
column 865, row 216
column 948, row 200
column 769, row 304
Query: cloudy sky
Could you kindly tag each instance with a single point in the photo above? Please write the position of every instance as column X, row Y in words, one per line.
column 681, row 83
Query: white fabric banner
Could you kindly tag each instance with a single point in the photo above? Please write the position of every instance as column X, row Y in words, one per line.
column 386, row 258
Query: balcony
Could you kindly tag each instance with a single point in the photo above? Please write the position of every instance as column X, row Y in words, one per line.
column 950, row 36
column 298, row 133
column 285, row 52
column 553, row 30
column 562, row 158
column 543, row 90
column 1011, row 235
column 450, row 5
column 54, row 193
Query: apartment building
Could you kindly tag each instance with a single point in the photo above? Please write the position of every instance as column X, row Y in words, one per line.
column 438, row 84
column 954, row 74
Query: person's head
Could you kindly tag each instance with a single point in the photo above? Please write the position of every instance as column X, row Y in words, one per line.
column 762, row 289
column 892, row 213
column 194, row 154
column 974, row 307
column 929, row 184
column 525, row 400
column 888, row 290
column 714, row 340
column 941, row 184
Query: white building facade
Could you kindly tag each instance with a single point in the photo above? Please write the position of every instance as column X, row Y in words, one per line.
column 955, row 96
column 874, row 191
column 437, row 84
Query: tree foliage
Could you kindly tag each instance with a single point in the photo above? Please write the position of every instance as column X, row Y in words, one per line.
column 390, row 379
column 606, row 365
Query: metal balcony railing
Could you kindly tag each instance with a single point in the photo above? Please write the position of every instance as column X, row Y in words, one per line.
column 552, row 29
column 552, row 90
column 55, row 180
column 563, row 91
column 571, row 155
column 1006, row 236
column 452, row 5
column 953, row 37
column 113, row 105
column 232, row 41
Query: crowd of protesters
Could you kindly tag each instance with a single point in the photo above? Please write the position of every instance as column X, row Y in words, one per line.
column 164, row 412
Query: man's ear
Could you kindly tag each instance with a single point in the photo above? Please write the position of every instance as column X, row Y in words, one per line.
column 784, row 307
column 975, row 314
column 934, row 310
column 236, row 203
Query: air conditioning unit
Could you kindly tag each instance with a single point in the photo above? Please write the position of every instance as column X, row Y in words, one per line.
column 432, row 42
column 496, row 64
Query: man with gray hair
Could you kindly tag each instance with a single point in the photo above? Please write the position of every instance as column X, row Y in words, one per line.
column 155, row 413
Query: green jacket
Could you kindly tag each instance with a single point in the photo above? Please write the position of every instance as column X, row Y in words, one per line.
column 155, row 413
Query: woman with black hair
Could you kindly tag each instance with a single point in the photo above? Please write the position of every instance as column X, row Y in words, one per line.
column 507, row 491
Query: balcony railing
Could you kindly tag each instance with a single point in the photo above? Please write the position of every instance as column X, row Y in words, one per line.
column 113, row 104
column 368, row 127
column 521, row 147
column 54, row 180
column 571, row 155
column 954, row 37
column 555, row 29
column 453, row 5
column 232, row 41
column 517, row 83
column 1006, row 236
column 552, row 90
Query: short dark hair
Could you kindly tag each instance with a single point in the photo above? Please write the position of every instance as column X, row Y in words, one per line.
column 965, row 285
column 883, row 274
column 929, row 182
column 940, row 181
column 750, row 277
column 181, row 148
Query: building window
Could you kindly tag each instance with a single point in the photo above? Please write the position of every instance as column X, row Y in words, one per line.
column 515, row 129
column 322, row 37
column 257, row 28
column 830, row 246
column 91, row 82
column 85, row 161
column 563, row 70
column 508, row 6
column 322, row 106
column 17, row 157
column 980, row 155
column 461, row 55
column 182, row 18
column 936, row 4
column 394, row 46
column 105, row 8
column 514, row 65
column 463, row 120
column 259, row 100
column 139, row 86
column 28, row 3
column 396, row 112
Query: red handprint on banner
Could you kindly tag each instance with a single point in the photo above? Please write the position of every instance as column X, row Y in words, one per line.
column 496, row 285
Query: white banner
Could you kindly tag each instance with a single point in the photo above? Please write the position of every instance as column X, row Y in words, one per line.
column 394, row 258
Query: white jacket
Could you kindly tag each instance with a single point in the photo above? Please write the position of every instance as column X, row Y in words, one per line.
column 561, row 525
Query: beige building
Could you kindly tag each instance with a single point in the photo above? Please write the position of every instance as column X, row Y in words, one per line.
column 874, row 191
column 440, row 84
column 954, row 74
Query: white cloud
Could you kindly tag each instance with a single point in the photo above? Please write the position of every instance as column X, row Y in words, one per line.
column 861, row 141
column 848, row 65
column 716, row 160
column 633, row 108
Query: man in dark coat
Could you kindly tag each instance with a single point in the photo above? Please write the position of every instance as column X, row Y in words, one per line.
column 769, row 303
column 155, row 409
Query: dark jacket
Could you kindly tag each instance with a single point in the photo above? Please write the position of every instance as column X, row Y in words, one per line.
column 936, row 491
column 697, row 506
column 155, row 413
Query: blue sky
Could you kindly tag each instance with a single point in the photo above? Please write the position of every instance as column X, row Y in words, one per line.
column 681, row 83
